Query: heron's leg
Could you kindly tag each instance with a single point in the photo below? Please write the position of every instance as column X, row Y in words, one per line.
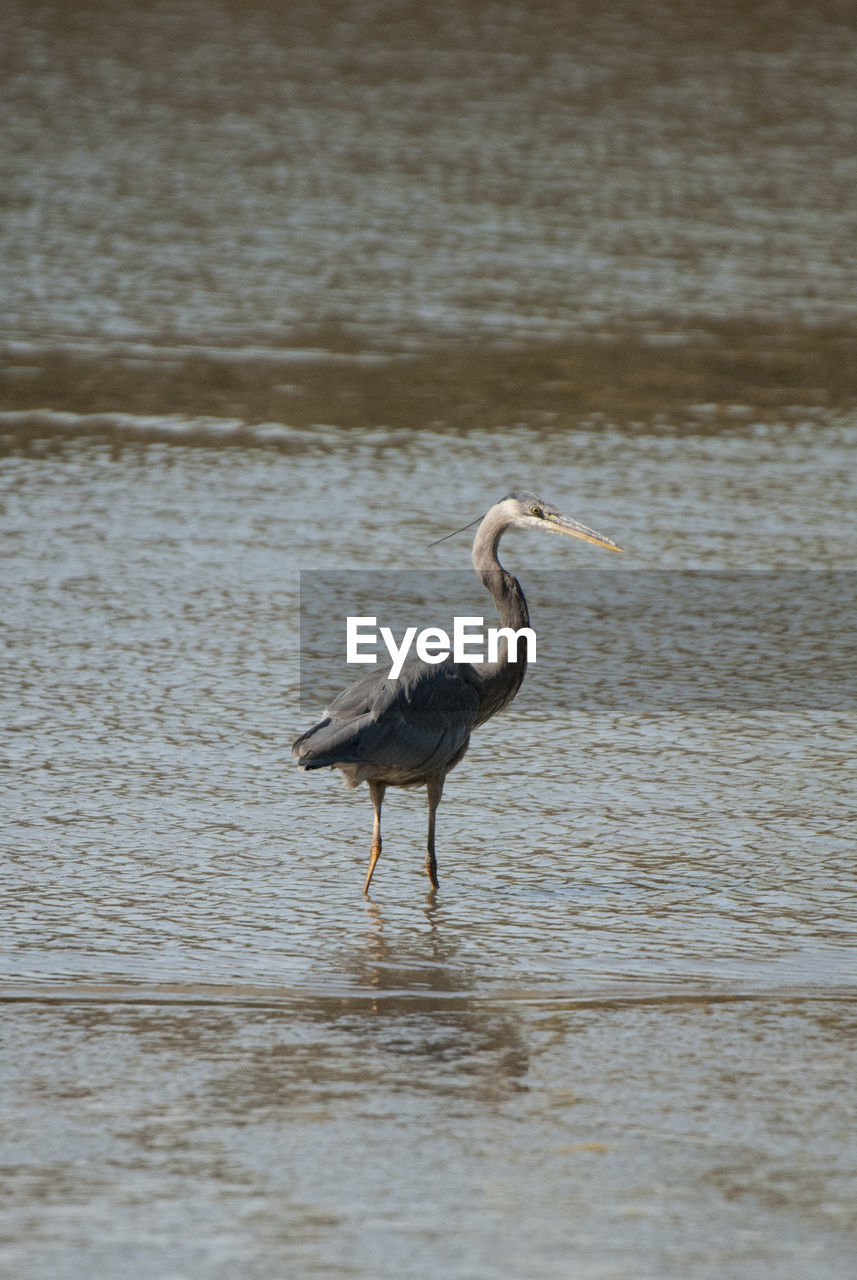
column 434, row 791
column 376, row 791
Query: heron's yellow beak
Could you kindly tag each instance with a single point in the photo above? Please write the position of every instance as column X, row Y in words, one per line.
column 574, row 529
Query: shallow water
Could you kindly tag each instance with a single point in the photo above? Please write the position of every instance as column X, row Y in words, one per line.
column 621, row 1037
column 619, row 1043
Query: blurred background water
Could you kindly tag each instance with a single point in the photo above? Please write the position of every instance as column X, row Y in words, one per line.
column 227, row 169
column 306, row 287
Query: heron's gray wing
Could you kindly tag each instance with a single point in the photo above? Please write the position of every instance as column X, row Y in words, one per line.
column 416, row 723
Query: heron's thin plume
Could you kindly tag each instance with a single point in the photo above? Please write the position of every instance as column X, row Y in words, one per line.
column 447, row 536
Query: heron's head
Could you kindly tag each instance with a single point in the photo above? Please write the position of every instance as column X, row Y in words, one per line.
column 524, row 510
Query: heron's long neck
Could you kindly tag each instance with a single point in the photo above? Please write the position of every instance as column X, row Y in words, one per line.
column 499, row 681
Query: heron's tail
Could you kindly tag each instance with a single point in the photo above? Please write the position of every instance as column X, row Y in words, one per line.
column 322, row 747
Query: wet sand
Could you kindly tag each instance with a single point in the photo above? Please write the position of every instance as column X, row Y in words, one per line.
column 709, row 378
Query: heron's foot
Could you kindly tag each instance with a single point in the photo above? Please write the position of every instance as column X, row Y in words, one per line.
column 431, row 869
column 373, row 858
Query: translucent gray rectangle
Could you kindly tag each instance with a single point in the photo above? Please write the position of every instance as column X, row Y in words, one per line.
column 618, row 640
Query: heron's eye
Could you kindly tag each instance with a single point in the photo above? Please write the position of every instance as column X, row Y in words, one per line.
column 537, row 512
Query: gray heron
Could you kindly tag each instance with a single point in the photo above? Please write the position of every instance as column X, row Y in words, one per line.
column 412, row 730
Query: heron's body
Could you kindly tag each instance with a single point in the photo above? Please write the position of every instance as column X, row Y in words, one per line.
column 412, row 730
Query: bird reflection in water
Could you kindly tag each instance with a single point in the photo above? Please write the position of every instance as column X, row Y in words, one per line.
column 426, row 1003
